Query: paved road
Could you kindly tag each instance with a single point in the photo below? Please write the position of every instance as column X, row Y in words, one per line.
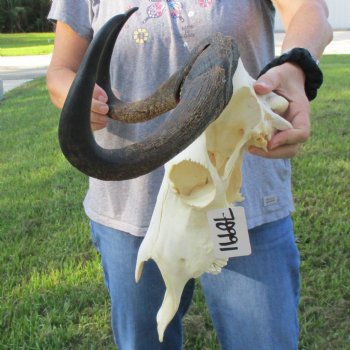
column 15, row 71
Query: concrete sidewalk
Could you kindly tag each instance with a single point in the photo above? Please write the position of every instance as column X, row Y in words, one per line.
column 15, row 71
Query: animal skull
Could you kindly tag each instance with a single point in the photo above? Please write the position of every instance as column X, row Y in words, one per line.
column 205, row 176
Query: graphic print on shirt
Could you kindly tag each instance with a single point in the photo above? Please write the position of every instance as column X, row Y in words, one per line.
column 156, row 9
column 140, row 35
column 205, row 3
column 176, row 9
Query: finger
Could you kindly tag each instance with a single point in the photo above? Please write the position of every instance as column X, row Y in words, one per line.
column 266, row 83
column 283, row 152
column 288, row 137
column 98, row 121
column 262, row 87
column 99, row 94
column 99, row 107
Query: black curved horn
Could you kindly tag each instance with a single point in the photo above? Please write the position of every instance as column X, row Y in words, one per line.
column 205, row 84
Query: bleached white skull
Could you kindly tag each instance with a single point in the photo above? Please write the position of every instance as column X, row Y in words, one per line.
column 205, row 176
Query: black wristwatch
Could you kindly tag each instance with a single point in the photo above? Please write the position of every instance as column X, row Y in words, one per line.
column 308, row 63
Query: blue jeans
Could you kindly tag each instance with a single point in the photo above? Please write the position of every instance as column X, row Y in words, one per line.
column 253, row 302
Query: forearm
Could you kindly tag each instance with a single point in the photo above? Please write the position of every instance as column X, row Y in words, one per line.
column 59, row 80
column 306, row 25
column 68, row 52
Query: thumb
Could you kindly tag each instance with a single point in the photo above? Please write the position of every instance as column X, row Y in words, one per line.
column 266, row 84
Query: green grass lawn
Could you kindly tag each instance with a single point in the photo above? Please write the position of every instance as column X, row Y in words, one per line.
column 51, row 292
column 24, row 44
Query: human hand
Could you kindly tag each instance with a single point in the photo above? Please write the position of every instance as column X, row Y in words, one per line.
column 287, row 80
column 99, row 109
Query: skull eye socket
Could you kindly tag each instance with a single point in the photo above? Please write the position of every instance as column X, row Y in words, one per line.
column 196, row 190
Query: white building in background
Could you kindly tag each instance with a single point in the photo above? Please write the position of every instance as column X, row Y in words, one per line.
column 339, row 15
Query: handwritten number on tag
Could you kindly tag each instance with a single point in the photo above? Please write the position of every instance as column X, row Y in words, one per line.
column 229, row 232
column 227, row 224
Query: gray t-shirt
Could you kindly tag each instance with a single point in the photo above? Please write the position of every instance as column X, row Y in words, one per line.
column 152, row 45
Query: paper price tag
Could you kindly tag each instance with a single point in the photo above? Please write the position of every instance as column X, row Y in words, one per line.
column 230, row 232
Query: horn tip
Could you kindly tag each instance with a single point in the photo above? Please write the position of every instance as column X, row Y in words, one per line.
column 131, row 11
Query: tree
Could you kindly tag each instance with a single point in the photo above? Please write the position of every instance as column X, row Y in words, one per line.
column 24, row 16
